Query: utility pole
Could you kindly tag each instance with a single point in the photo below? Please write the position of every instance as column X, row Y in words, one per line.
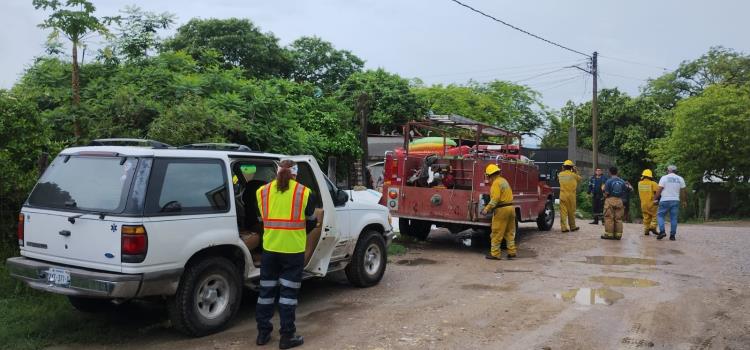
column 594, row 116
column 363, row 111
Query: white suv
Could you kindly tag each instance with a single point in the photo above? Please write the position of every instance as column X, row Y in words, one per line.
column 106, row 224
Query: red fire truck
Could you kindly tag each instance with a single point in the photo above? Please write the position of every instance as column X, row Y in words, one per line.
column 447, row 187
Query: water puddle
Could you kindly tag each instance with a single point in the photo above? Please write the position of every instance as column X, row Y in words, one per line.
column 623, row 281
column 415, row 262
column 590, row 296
column 623, row 260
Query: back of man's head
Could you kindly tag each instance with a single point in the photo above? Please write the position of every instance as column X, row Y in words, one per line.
column 672, row 169
column 613, row 170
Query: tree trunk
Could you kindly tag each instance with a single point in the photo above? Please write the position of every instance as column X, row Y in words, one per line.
column 76, row 84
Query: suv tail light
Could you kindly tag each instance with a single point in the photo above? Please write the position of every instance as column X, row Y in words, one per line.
column 134, row 243
column 20, row 229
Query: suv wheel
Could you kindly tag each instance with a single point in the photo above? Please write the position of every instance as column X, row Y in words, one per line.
column 368, row 263
column 208, row 297
column 546, row 218
column 419, row 229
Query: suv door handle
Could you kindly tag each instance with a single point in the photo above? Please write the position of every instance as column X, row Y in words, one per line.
column 65, row 233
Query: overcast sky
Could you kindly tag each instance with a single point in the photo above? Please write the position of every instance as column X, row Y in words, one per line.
column 441, row 42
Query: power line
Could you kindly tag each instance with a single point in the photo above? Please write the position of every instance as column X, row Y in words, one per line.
column 540, row 75
column 561, row 84
column 634, row 62
column 519, row 29
column 624, row 76
column 530, row 67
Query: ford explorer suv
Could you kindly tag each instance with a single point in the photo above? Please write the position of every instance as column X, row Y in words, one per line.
column 108, row 223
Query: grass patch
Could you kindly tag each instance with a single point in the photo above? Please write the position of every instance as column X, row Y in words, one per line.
column 33, row 320
column 396, row 249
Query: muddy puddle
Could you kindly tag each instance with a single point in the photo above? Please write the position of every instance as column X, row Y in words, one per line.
column 623, row 260
column 416, row 261
column 590, row 296
column 610, row 281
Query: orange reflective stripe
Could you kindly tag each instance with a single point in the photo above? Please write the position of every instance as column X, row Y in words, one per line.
column 264, row 196
column 294, row 201
column 299, row 196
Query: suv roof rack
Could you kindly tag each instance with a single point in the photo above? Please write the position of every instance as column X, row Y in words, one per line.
column 129, row 142
column 217, row 147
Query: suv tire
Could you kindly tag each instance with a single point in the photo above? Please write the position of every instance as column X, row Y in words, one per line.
column 367, row 266
column 546, row 218
column 207, row 298
column 419, row 229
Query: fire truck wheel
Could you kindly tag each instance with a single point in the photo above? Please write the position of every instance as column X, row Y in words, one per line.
column 419, row 229
column 547, row 217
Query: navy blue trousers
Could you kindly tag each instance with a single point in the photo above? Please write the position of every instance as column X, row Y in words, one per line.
column 280, row 277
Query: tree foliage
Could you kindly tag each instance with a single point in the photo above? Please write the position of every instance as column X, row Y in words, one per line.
column 498, row 103
column 709, row 137
column 238, row 43
column 318, row 62
column 137, row 33
column 391, row 101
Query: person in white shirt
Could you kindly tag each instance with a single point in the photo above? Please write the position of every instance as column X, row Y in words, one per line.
column 669, row 195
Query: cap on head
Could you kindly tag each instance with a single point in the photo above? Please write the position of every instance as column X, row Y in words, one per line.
column 647, row 173
column 491, row 169
column 671, row 168
column 569, row 163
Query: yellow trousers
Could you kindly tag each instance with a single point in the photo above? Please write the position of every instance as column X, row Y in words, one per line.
column 503, row 227
column 649, row 217
column 567, row 210
column 614, row 210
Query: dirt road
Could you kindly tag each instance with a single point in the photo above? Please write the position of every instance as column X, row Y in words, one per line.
column 566, row 291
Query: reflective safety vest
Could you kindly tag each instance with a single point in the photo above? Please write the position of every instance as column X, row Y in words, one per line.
column 283, row 217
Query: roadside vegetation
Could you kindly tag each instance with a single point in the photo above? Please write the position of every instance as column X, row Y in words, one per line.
column 204, row 85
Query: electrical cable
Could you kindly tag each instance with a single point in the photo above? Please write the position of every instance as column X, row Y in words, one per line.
column 530, row 67
column 634, row 62
column 519, row 29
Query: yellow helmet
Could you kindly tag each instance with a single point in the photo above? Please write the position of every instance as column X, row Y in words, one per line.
column 491, row 169
column 569, row 162
column 647, row 173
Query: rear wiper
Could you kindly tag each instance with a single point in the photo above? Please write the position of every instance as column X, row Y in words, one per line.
column 71, row 203
column 72, row 219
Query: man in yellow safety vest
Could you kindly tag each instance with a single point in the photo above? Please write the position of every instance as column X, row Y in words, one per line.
column 283, row 205
column 503, row 214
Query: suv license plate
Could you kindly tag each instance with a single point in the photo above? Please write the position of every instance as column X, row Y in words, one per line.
column 58, row 277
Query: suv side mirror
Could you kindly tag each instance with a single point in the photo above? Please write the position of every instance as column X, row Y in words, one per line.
column 341, row 197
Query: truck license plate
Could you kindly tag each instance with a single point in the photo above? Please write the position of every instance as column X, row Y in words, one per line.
column 58, row 277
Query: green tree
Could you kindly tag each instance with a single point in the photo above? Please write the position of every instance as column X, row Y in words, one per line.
column 391, row 101
column 23, row 137
column 137, row 32
column 709, row 139
column 719, row 65
column 556, row 131
column 498, row 103
column 238, row 42
column 318, row 62
column 76, row 21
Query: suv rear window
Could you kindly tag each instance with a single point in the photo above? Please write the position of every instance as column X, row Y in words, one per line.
column 85, row 183
column 187, row 186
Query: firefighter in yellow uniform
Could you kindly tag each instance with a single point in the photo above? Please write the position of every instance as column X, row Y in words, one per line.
column 646, row 190
column 503, row 214
column 569, row 180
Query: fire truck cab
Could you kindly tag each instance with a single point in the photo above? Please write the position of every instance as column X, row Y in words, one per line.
column 446, row 186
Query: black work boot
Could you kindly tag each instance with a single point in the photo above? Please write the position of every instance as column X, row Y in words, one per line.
column 672, row 238
column 511, row 256
column 653, row 230
column 491, row 257
column 290, row 341
column 263, row 338
column 661, row 235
